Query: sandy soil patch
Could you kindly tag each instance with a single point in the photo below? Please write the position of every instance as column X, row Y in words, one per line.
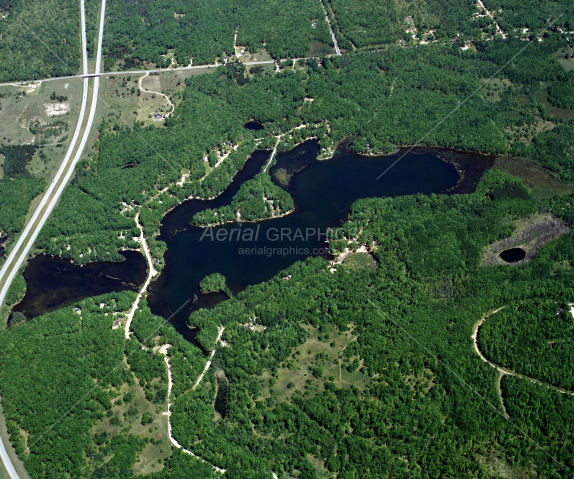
column 55, row 109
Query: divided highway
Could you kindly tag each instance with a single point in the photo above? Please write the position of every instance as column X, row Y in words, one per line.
column 52, row 194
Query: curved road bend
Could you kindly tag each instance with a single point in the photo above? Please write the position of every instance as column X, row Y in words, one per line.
column 52, row 194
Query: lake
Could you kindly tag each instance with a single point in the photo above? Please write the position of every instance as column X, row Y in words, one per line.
column 323, row 192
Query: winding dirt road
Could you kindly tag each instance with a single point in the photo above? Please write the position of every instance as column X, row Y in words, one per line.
column 504, row 371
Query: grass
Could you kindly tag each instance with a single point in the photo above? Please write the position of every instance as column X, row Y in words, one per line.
column 357, row 261
column 495, row 88
column 321, row 350
column 319, row 49
column 539, row 181
column 148, row 460
column 566, row 64
column 553, row 110
column 320, row 469
column 121, row 100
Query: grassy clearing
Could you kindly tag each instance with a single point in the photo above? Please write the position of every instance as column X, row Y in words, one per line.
column 541, row 182
column 567, row 64
column 121, row 101
column 319, row 49
column 320, row 469
column 553, row 110
column 317, row 360
column 28, row 116
column 497, row 466
column 357, row 261
column 153, row 455
column 495, row 88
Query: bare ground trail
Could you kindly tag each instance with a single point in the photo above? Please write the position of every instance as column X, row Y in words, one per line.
column 169, row 387
column 157, row 93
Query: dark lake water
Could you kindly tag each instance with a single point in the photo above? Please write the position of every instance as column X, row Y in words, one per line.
column 54, row 282
column 513, row 255
column 248, row 253
column 253, row 125
column 323, row 192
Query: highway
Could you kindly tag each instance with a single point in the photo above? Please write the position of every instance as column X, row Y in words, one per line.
column 52, row 194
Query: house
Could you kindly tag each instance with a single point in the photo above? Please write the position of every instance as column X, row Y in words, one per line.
column 158, row 116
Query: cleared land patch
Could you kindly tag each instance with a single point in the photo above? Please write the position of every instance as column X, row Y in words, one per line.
column 530, row 234
column 541, row 182
column 318, row 359
column 142, row 418
column 360, row 260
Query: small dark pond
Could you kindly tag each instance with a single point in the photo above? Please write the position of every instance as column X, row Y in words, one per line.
column 513, row 255
column 253, row 125
column 249, row 253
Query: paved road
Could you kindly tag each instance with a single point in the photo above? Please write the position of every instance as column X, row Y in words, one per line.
column 52, row 194
column 132, row 72
column 159, row 70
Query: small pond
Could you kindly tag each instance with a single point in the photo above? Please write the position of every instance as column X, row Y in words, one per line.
column 253, row 125
column 513, row 255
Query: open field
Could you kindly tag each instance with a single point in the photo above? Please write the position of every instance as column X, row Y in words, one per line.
column 124, row 101
column 151, row 459
column 359, row 260
column 541, row 182
column 30, row 116
column 301, row 372
column 553, row 110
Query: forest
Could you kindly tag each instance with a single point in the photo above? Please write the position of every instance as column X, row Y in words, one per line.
column 561, row 94
column 534, row 339
column 379, row 101
column 257, row 199
column 532, row 14
column 430, row 284
column 373, row 23
column 73, row 375
column 16, row 158
column 33, row 33
column 144, row 32
column 213, row 283
column 402, row 408
column 15, row 198
column 328, row 368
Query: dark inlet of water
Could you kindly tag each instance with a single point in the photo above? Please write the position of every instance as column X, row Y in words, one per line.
column 253, row 125
column 323, row 192
column 513, row 255
column 55, row 282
